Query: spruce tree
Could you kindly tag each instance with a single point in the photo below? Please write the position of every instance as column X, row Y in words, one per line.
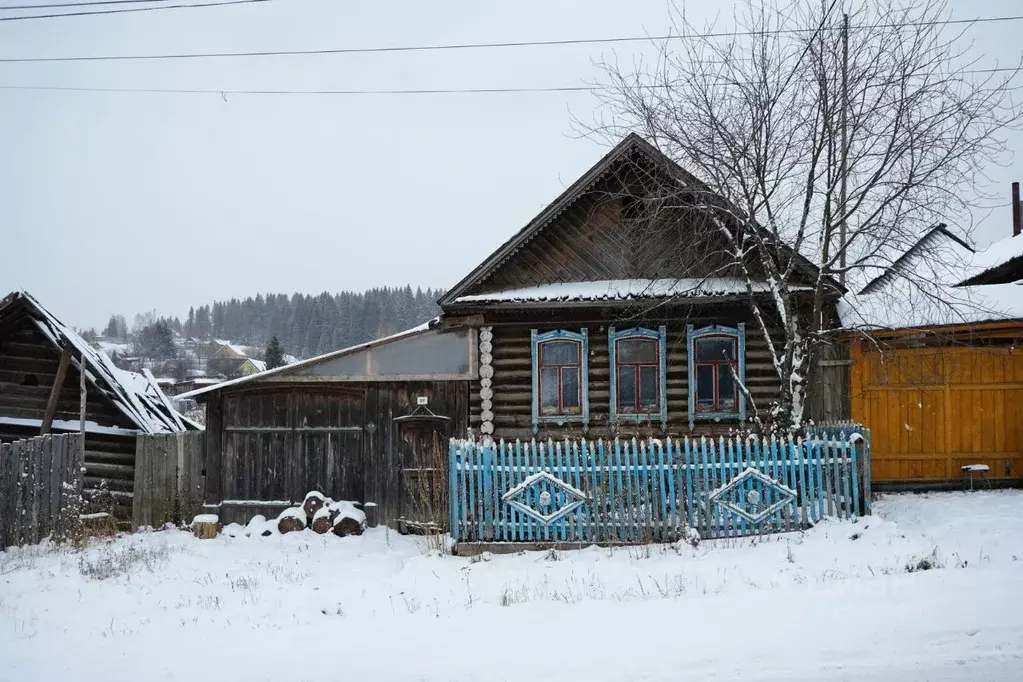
column 274, row 353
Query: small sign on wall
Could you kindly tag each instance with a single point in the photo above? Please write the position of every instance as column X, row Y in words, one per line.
column 422, row 400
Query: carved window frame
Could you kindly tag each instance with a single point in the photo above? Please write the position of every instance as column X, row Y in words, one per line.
column 582, row 338
column 660, row 335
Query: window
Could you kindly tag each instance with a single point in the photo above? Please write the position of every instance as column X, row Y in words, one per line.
column 559, row 377
column 716, row 359
column 638, row 382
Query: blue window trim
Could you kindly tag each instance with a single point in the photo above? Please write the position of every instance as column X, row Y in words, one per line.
column 582, row 337
column 692, row 334
column 660, row 335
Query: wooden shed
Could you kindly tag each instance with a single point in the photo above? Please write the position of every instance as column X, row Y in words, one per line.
column 368, row 423
column 40, row 365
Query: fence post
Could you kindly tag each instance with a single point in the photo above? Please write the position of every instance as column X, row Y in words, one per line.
column 453, row 491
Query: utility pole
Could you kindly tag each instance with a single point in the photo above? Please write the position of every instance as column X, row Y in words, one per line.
column 844, row 170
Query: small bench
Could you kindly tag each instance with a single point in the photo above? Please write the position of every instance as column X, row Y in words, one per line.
column 972, row 470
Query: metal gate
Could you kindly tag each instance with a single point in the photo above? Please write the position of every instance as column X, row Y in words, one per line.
column 643, row 491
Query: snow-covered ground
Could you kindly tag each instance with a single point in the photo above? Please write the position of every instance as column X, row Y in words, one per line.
column 842, row 601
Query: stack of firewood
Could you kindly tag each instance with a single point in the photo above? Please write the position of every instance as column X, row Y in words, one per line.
column 323, row 515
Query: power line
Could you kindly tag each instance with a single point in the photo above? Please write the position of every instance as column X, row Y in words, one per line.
column 221, row 3
column 472, row 46
column 207, row 91
column 8, row 8
column 354, row 92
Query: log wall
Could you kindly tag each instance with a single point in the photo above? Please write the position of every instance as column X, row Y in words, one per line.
column 512, row 380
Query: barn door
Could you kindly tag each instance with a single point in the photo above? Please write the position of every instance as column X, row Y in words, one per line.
column 424, row 480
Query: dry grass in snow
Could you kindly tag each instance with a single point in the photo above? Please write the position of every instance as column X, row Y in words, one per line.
column 928, row 588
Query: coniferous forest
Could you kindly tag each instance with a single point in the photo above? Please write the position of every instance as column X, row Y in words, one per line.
column 306, row 325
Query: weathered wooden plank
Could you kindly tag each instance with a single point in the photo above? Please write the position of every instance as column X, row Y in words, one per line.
column 6, row 494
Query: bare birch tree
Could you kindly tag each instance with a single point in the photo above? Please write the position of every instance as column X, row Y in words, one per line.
column 812, row 143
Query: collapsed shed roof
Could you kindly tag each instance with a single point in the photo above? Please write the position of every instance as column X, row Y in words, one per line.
column 136, row 395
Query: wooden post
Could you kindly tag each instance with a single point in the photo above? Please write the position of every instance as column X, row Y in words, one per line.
column 81, row 397
column 81, row 415
column 371, row 514
column 58, row 384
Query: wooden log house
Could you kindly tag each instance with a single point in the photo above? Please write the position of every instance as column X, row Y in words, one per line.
column 40, row 364
column 605, row 317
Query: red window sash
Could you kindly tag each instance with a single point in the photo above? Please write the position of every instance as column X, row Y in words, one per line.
column 560, row 367
column 636, row 409
column 717, row 365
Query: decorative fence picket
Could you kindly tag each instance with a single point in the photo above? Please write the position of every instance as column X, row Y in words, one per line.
column 642, row 491
column 40, row 488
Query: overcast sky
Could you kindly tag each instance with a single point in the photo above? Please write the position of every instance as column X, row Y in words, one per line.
column 125, row 202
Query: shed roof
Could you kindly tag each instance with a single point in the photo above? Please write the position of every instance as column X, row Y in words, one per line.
column 298, row 366
column 137, row 396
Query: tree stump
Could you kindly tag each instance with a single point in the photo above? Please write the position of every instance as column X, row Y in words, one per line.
column 206, row 526
column 346, row 525
column 291, row 520
column 314, row 502
column 323, row 521
column 370, row 509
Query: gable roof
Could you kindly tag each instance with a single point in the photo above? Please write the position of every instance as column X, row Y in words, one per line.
column 925, row 288
column 137, row 396
column 939, row 256
column 631, row 144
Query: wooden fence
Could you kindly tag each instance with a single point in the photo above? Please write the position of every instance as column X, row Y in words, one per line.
column 170, row 478
column 629, row 491
column 40, row 489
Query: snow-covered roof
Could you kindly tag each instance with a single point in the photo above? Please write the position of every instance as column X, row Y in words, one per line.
column 137, row 396
column 904, row 306
column 620, row 290
column 311, row 361
column 923, row 287
column 260, row 365
column 995, row 256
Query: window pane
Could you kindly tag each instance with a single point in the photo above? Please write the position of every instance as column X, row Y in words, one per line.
column 570, row 389
column 648, row 388
column 705, row 388
column 559, row 353
column 715, row 349
column 626, row 389
column 726, row 391
column 549, row 390
column 637, row 350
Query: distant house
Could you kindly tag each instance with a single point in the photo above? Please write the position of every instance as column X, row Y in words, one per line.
column 231, row 361
column 937, row 373
column 40, row 364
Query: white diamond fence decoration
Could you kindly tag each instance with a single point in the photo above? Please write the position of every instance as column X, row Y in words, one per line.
column 747, row 495
column 547, row 491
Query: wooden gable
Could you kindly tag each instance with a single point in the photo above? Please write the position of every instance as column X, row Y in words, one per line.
column 597, row 239
column 630, row 217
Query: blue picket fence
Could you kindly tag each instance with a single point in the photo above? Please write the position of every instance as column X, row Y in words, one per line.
column 649, row 491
